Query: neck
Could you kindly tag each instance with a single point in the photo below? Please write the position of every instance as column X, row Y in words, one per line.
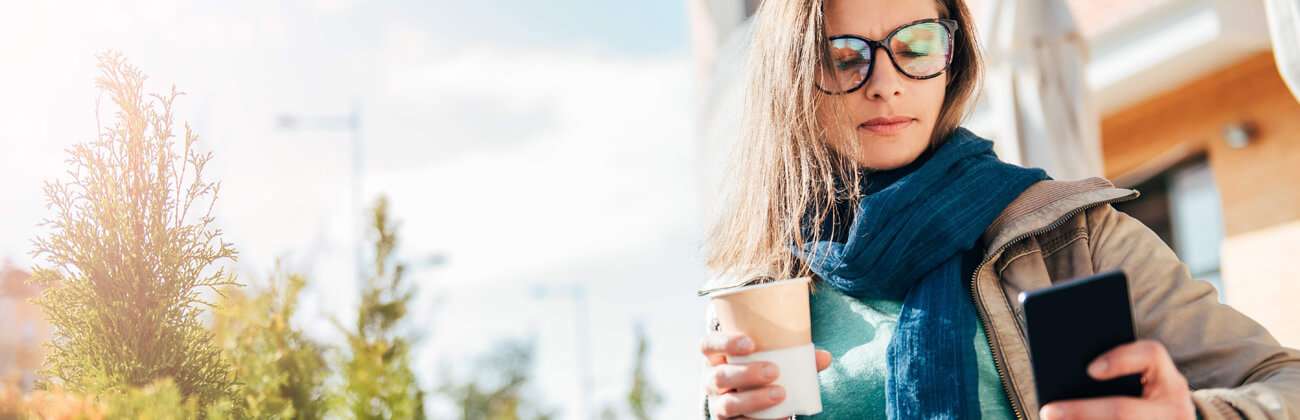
column 874, row 180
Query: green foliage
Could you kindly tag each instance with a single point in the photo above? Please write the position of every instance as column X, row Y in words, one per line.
column 161, row 400
column 280, row 372
column 127, row 259
column 377, row 375
column 497, row 391
column 642, row 398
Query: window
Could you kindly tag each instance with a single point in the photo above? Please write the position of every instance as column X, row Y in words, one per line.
column 1182, row 206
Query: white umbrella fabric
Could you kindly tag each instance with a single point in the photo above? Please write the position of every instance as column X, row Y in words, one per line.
column 1284, row 28
column 1037, row 86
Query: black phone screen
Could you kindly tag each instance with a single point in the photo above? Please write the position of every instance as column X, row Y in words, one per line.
column 1069, row 325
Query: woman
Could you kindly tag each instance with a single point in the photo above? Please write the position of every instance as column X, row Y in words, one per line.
column 852, row 151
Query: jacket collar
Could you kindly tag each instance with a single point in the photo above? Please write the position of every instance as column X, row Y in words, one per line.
column 1047, row 204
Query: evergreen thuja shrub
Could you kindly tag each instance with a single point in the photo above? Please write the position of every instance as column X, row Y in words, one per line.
column 128, row 252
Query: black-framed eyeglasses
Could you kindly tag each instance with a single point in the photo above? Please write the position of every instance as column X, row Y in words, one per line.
column 920, row 50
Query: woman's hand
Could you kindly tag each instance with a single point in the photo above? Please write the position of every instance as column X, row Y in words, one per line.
column 1165, row 393
column 736, row 390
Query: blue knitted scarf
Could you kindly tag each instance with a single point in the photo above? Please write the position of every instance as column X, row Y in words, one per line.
column 906, row 243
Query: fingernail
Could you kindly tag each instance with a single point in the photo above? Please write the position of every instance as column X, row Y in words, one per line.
column 769, row 372
column 744, row 344
column 1097, row 368
column 1049, row 412
column 776, row 393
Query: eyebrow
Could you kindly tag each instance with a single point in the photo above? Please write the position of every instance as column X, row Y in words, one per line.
column 896, row 28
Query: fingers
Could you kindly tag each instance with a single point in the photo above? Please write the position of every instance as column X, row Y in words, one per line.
column 745, row 402
column 716, row 346
column 1146, row 357
column 823, row 360
column 1101, row 408
column 1165, row 391
column 727, row 377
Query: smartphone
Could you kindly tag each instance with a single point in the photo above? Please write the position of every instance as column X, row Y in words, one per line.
column 1069, row 325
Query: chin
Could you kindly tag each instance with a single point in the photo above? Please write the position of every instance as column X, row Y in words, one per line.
column 878, row 164
column 883, row 157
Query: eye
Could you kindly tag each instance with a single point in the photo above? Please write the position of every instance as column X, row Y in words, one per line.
column 850, row 63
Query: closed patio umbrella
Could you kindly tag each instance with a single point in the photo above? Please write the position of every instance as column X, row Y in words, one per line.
column 1284, row 28
column 1037, row 87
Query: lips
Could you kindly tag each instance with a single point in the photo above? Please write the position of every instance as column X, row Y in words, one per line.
column 887, row 126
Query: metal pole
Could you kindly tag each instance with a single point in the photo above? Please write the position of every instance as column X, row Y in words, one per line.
column 358, row 209
column 583, row 349
column 352, row 123
column 582, row 340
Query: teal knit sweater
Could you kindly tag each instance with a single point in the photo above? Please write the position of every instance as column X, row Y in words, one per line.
column 856, row 333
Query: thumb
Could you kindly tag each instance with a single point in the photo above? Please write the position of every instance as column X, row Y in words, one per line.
column 823, row 360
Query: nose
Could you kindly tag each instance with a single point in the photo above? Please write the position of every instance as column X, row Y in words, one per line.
column 885, row 82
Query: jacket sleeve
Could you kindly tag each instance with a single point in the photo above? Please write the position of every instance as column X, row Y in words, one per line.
column 1235, row 368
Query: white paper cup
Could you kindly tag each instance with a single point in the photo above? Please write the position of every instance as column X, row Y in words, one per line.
column 775, row 315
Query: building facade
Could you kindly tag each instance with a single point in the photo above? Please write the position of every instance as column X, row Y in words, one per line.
column 25, row 329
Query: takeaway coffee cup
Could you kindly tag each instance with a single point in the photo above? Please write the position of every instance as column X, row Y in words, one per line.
column 775, row 316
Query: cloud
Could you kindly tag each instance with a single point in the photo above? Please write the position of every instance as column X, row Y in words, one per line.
column 580, row 154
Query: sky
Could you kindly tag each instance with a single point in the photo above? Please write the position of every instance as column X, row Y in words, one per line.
column 535, row 146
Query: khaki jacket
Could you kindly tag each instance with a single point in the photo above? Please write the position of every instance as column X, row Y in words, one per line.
column 1061, row 230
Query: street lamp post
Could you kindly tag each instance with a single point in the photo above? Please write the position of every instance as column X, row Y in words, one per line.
column 582, row 338
column 351, row 123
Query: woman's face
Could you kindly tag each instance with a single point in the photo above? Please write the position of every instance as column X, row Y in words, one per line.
column 887, row 94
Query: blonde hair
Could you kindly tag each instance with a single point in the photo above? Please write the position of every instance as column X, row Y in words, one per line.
column 784, row 179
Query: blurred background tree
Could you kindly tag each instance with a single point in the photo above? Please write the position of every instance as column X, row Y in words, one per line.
column 378, row 382
column 641, row 399
column 498, row 385
column 126, row 258
column 280, row 373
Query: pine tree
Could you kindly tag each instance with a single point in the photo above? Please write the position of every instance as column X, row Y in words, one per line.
column 378, row 380
column 129, row 249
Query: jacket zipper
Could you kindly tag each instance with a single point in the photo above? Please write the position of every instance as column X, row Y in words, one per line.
column 1017, row 406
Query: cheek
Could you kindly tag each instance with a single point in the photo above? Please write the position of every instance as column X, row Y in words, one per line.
column 932, row 94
